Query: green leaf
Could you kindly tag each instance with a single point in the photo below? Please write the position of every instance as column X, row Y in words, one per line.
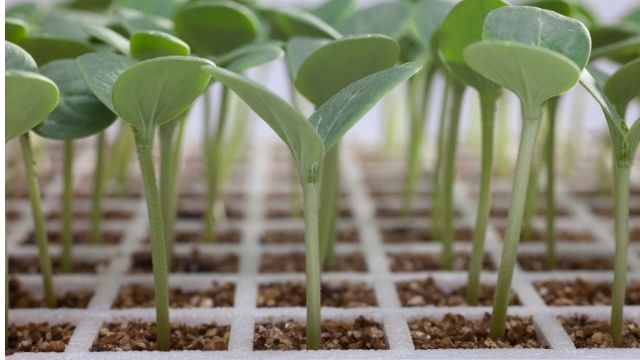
column 335, row 65
column 541, row 28
column 134, row 21
column 92, row 5
column 634, row 138
column 535, row 74
column 69, row 24
column 153, row 92
column 164, row 8
column 45, row 49
column 152, row 44
column 334, row 11
column 100, row 71
column 337, row 115
column 428, row 16
column 559, row 6
column 390, row 18
column 109, row 37
column 623, row 86
column 259, row 54
column 286, row 24
column 298, row 49
column 214, row 27
column 15, row 58
column 614, row 120
column 461, row 28
column 29, row 98
column 15, row 30
column 79, row 113
column 622, row 51
column 297, row 133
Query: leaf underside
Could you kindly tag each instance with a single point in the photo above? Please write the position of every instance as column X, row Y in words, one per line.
column 16, row 58
column 29, row 98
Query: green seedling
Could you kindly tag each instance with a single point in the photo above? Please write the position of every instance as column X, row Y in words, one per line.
column 538, row 55
column 309, row 140
column 285, row 24
column 334, row 11
column 15, row 30
column 148, row 95
column 29, row 99
column 79, row 114
column 130, row 21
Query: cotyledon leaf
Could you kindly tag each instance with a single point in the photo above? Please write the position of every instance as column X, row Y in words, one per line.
column 333, row 11
column 428, row 15
column 109, row 37
column 388, row 18
column 624, row 86
column 614, row 120
column 45, row 49
column 260, row 55
column 16, row 58
column 298, row 49
column 15, row 30
column 288, row 23
column 151, row 44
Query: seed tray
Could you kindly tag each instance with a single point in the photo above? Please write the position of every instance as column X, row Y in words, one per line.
column 254, row 182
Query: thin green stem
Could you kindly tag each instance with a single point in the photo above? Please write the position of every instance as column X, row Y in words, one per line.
column 390, row 121
column 98, row 191
column 531, row 124
column 550, row 258
column 437, row 171
column 311, row 193
column 158, row 248
column 622, row 173
column 574, row 140
column 206, row 146
column 121, row 154
column 67, row 207
column 503, row 137
column 38, row 221
column 167, row 185
column 329, row 201
column 488, row 110
column 531, row 206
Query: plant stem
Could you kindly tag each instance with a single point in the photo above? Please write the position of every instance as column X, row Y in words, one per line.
column 621, row 223
column 531, row 204
column 531, row 124
column 206, row 146
column 144, row 147
column 98, row 191
column 313, row 281
column 329, row 200
column 38, row 221
column 167, row 185
column 573, row 142
column 488, row 109
column 503, row 137
column 437, row 171
column 67, row 207
column 448, row 175
column 390, row 121
column 550, row 258
column 121, row 151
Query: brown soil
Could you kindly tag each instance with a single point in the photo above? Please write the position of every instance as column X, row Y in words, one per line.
column 587, row 333
column 453, row 331
column 81, row 237
column 428, row 293
column 107, row 214
column 196, row 262
column 137, row 295
column 583, row 293
column 393, row 211
column 503, row 212
column 38, row 337
column 295, row 262
column 361, row 333
column 11, row 215
column 19, row 298
column 410, row 262
column 232, row 211
column 536, row 262
column 292, row 293
column 607, row 211
column 348, row 235
column 229, row 236
column 565, row 235
column 406, row 234
column 634, row 234
column 31, row 265
column 286, row 212
column 141, row 336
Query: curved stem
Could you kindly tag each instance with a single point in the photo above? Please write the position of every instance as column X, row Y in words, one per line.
column 530, row 127
column 550, row 258
column 621, row 230
column 67, row 207
column 38, row 222
column 488, row 109
column 98, row 191
column 313, row 280
column 329, row 202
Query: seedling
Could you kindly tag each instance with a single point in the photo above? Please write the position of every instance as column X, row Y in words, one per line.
column 309, row 141
column 537, row 54
column 30, row 98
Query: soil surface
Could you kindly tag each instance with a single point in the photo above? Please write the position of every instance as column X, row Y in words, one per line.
column 227, row 236
column 536, row 262
column 292, row 293
column 564, row 235
column 278, row 212
column 107, row 214
column 503, row 212
column 79, row 237
column 137, row 295
column 20, row 298
column 295, row 262
column 188, row 211
column 428, row 293
column 31, row 265
column 141, row 336
column 410, row 262
column 348, row 235
column 406, row 234
column 583, row 293
column 38, row 337
column 196, row 262
column 361, row 333
column 453, row 331
column 587, row 333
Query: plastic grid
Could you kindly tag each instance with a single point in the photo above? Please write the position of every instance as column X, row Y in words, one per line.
column 262, row 161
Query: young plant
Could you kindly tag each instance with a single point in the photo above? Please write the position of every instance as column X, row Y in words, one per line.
column 309, row 141
column 462, row 27
column 79, row 114
column 29, row 99
column 537, row 54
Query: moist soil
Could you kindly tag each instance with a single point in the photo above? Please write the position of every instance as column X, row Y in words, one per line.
column 454, row 331
column 503, row 212
column 232, row 211
column 411, row 262
column 107, row 214
column 19, row 298
column 196, row 262
column 276, row 212
column 81, row 237
column 295, row 262
column 428, row 293
column 294, row 236
column 407, row 234
column 31, row 265
column 293, row 293
column 564, row 235
column 141, row 336
column 229, row 236
column 137, row 295
column 583, row 293
column 38, row 337
column 587, row 333
column 358, row 334
column 536, row 262
column 395, row 211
